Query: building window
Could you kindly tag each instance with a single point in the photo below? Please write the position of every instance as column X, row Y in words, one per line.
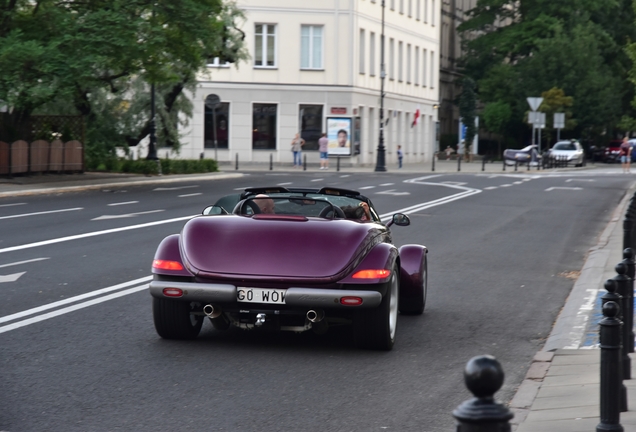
column 216, row 63
column 432, row 12
column 219, row 117
column 264, row 126
column 310, row 125
column 416, row 74
column 410, row 8
column 265, row 45
column 418, row 4
column 401, row 6
column 424, row 69
column 400, row 62
column 391, row 59
column 372, row 54
column 425, row 18
column 392, row 4
column 361, row 66
column 432, row 69
column 311, row 47
column 408, row 63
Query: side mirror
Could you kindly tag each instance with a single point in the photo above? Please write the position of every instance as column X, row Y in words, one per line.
column 399, row 219
column 214, row 210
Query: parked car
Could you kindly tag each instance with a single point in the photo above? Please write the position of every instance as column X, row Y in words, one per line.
column 303, row 265
column 612, row 152
column 522, row 156
column 571, row 152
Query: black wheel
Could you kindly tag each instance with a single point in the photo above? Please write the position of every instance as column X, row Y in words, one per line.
column 414, row 305
column 174, row 320
column 376, row 328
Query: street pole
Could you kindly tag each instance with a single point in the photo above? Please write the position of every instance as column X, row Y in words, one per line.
column 381, row 162
column 152, row 147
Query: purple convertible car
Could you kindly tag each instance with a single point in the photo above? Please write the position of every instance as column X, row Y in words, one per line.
column 292, row 260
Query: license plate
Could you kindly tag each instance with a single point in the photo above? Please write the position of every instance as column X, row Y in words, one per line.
column 260, row 295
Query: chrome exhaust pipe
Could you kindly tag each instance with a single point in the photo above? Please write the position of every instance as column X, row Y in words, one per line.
column 315, row 316
column 211, row 311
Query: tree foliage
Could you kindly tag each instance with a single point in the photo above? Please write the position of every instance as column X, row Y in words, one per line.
column 516, row 49
column 97, row 57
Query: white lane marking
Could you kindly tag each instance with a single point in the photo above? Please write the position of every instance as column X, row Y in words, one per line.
column 11, row 205
column 518, row 182
column 284, row 184
column 562, row 188
column 387, row 184
column 392, row 192
column 23, row 262
column 58, row 312
column 123, row 203
column 454, row 183
column 345, row 175
column 11, row 278
column 317, row 180
column 367, row 187
column 584, row 180
column 190, row 195
column 56, row 304
column 128, row 215
column 242, row 188
column 491, row 187
column 505, row 185
column 175, row 188
column 42, row 213
column 93, row 234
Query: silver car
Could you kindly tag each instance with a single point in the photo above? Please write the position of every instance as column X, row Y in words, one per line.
column 571, row 150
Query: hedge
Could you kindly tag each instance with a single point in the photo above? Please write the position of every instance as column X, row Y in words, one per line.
column 149, row 167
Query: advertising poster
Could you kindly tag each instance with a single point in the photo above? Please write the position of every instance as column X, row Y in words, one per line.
column 339, row 136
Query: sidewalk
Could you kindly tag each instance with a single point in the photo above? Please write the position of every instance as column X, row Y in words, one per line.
column 560, row 392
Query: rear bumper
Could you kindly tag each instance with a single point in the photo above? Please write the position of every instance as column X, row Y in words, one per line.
column 295, row 296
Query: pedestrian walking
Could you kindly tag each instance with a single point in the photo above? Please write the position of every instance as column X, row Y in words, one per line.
column 297, row 146
column 626, row 155
column 323, row 144
column 400, row 155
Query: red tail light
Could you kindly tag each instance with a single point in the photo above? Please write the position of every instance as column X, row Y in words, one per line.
column 372, row 274
column 172, row 292
column 350, row 301
column 167, row 265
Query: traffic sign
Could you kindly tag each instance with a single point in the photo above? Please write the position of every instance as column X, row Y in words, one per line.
column 534, row 102
column 212, row 101
column 559, row 120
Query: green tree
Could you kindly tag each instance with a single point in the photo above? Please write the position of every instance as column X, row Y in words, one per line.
column 79, row 52
column 555, row 101
column 496, row 117
column 517, row 49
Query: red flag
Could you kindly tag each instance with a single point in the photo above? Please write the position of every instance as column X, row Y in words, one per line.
column 416, row 117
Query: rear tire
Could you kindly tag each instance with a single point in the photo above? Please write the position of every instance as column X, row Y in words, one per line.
column 376, row 328
column 415, row 305
column 174, row 320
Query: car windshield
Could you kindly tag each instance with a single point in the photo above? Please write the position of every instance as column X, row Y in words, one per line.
column 564, row 146
column 308, row 205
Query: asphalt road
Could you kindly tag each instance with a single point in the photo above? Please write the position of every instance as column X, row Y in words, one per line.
column 79, row 350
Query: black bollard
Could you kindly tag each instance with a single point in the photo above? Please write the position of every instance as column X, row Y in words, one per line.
column 612, row 296
column 483, row 376
column 628, row 259
column 304, row 162
column 271, row 162
column 623, row 285
column 338, row 164
column 483, row 164
column 433, row 162
column 516, row 164
column 610, row 335
column 504, row 164
column 459, row 163
column 237, row 161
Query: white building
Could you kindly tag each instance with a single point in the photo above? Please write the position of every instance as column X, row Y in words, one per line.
column 313, row 63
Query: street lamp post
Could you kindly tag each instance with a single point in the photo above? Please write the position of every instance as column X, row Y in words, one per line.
column 152, row 147
column 380, row 162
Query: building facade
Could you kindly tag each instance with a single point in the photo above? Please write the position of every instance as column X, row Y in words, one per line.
column 453, row 14
column 314, row 68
